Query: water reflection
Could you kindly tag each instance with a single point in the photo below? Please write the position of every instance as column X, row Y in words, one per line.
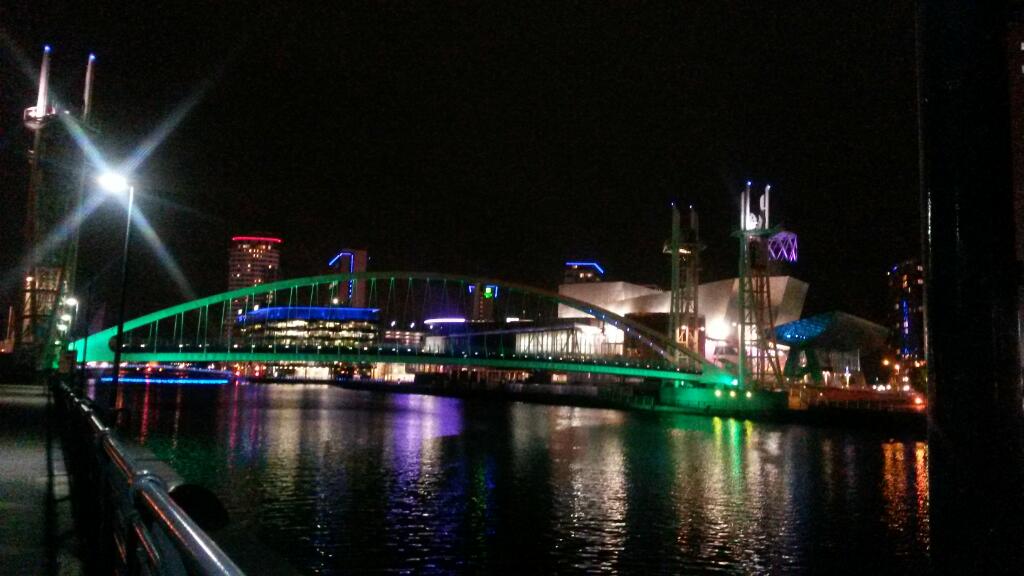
column 338, row 481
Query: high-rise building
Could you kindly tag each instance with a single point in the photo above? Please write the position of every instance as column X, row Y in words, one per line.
column 906, row 310
column 482, row 298
column 582, row 272
column 352, row 292
column 252, row 261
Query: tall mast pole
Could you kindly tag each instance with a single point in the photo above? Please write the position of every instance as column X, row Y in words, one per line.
column 741, row 351
column 675, row 307
column 72, row 258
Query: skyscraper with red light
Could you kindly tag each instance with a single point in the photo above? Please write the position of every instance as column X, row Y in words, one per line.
column 252, row 261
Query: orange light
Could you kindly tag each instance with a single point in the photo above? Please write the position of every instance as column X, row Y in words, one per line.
column 918, row 400
column 885, row 362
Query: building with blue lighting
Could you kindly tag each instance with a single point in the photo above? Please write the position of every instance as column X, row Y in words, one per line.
column 827, row 349
column 906, row 310
column 307, row 328
column 353, row 292
column 579, row 272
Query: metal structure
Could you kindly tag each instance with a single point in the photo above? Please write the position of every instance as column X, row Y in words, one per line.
column 306, row 327
column 53, row 194
column 758, row 360
column 137, row 526
column 684, row 307
column 782, row 247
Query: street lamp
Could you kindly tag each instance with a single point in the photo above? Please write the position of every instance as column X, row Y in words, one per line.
column 114, row 183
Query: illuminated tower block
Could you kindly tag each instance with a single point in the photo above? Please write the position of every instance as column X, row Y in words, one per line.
column 906, row 310
column 482, row 299
column 252, row 261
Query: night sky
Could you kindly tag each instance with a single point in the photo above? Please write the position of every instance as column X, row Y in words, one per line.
column 497, row 140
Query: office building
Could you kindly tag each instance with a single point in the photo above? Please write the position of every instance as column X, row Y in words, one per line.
column 252, row 261
column 352, row 292
column 307, row 328
column 482, row 299
column 582, row 272
column 906, row 310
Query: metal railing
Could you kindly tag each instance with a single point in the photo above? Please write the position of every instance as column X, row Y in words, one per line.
column 123, row 502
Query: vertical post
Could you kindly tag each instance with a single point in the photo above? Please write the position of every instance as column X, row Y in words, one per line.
column 741, row 305
column 975, row 410
column 85, row 335
column 119, row 339
column 675, row 308
column 695, row 281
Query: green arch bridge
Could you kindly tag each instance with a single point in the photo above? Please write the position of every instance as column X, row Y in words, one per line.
column 411, row 318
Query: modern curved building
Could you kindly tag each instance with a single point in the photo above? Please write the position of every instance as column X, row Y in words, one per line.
column 719, row 307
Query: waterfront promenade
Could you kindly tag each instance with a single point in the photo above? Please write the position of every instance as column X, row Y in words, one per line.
column 36, row 531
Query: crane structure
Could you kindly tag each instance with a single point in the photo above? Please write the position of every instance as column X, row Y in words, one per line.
column 57, row 175
column 758, row 358
column 684, row 326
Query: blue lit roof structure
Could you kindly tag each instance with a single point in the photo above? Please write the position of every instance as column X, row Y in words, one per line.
column 833, row 331
column 593, row 265
column 332, row 313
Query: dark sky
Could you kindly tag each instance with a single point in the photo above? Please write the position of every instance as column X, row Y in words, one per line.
column 489, row 139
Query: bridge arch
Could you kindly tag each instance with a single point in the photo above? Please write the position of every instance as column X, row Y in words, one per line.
column 463, row 320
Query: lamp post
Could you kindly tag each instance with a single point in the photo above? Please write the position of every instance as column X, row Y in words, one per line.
column 114, row 183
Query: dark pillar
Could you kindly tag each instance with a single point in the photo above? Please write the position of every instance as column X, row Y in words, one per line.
column 975, row 411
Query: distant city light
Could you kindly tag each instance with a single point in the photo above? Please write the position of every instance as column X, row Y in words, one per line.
column 135, row 380
column 443, row 321
column 256, row 239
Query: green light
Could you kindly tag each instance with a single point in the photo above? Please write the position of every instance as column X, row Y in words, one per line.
column 99, row 349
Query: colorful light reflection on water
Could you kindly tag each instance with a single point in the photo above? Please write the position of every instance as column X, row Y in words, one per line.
column 323, row 480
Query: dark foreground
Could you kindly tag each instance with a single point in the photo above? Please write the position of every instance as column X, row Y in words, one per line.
column 327, row 480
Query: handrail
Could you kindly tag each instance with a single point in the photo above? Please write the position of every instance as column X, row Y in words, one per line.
column 139, row 493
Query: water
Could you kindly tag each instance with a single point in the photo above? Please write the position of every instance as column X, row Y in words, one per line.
column 324, row 480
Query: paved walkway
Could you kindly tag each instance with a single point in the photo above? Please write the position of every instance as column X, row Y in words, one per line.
column 36, row 535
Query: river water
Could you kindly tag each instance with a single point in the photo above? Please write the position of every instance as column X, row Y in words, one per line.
column 321, row 480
